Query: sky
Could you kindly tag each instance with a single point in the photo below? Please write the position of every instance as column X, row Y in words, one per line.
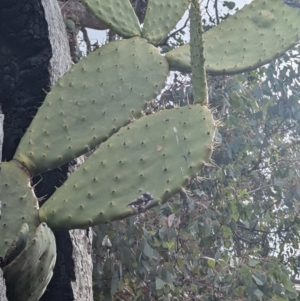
column 100, row 35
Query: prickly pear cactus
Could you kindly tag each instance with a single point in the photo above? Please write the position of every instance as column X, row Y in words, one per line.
column 161, row 17
column 260, row 32
column 103, row 92
column 117, row 15
column 28, row 275
column 19, row 204
column 18, row 245
column 142, row 165
column 197, row 55
column 165, row 144
column 140, row 161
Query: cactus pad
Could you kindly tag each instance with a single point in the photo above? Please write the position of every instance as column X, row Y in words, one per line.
column 161, row 17
column 100, row 94
column 33, row 268
column 197, row 49
column 255, row 35
column 144, row 164
column 117, row 15
column 19, row 204
column 18, row 245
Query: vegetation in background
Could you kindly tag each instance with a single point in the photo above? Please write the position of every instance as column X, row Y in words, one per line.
column 233, row 233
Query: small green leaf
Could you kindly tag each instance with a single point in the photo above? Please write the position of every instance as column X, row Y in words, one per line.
column 258, row 293
column 239, row 291
column 175, row 208
column 229, row 4
column 258, row 281
column 211, row 263
column 159, row 284
column 217, row 256
column 226, row 231
column 288, row 286
column 253, row 262
column 170, row 244
column 148, row 251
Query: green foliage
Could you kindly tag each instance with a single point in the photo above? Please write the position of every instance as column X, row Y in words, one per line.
column 233, row 234
column 229, row 4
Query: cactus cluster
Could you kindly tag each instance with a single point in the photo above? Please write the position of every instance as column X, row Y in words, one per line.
column 158, row 154
column 140, row 161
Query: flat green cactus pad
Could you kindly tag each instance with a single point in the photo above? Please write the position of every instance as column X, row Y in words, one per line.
column 18, row 204
column 100, row 94
column 18, row 244
column 117, row 15
column 142, row 165
column 255, row 35
column 33, row 268
column 197, row 48
column 161, row 17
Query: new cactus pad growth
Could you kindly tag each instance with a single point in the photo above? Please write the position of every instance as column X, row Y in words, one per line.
column 158, row 154
column 252, row 37
column 28, row 275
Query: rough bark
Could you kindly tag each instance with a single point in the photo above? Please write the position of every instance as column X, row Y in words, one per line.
column 60, row 61
column 76, row 11
column 83, row 268
column 79, row 263
column 2, row 283
column 2, row 288
column 33, row 56
column 1, row 134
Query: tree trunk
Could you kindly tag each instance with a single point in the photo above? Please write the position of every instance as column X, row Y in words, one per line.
column 34, row 53
column 2, row 284
column 2, row 288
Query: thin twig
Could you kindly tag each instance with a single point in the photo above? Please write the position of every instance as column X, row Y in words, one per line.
column 217, row 12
